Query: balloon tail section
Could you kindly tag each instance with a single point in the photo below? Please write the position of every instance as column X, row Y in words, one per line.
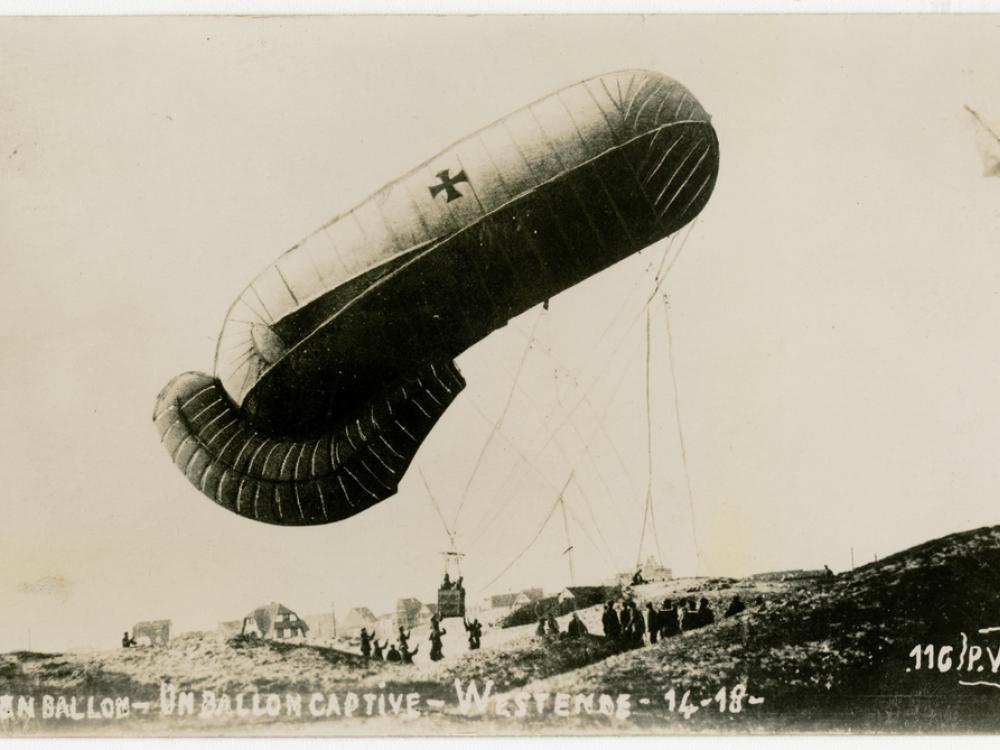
column 301, row 481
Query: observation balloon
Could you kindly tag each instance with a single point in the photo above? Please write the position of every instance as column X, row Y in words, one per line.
column 336, row 362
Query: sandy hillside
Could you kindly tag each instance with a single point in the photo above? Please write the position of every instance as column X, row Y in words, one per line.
column 821, row 655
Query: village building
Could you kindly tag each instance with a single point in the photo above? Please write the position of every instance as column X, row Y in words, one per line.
column 385, row 625
column 152, row 632
column 229, row 628
column 412, row 613
column 275, row 621
column 526, row 597
column 322, row 627
column 653, row 570
column 511, row 600
column 502, row 601
column 580, row 597
column 357, row 618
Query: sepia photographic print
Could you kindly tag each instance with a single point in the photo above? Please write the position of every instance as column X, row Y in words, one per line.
column 500, row 375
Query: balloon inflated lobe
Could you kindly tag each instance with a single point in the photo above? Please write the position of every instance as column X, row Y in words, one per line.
column 337, row 360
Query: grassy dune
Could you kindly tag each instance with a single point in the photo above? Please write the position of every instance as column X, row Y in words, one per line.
column 824, row 656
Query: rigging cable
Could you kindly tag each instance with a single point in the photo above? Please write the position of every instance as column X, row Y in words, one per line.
column 447, row 530
column 502, row 506
column 497, row 422
column 661, row 274
column 569, row 542
column 600, row 426
column 660, row 277
column 534, row 539
column 648, row 508
column 585, row 451
column 680, row 432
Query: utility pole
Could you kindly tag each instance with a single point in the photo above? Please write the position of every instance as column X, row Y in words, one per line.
column 852, row 558
column 333, row 617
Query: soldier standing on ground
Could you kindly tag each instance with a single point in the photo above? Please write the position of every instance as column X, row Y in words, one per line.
column 475, row 631
column 705, row 614
column 735, row 606
column 437, row 654
column 670, row 623
column 638, row 627
column 406, row 655
column 652, row 622
column 609, row 619
column 576, row 628
column 553, row 625
column 366, row 644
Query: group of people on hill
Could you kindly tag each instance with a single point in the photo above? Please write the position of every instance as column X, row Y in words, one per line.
column 371, row 649
column 548, row 626
column 398, row 653
column 447, row 583
column 631, row 627
column 627, row 625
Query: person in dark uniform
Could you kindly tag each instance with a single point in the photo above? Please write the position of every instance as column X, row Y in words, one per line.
column 705, row 614
column 670, row 623
column 393, row 655
column 406, row 655
column 127, row 641
column 366, row 644
column 437, row 654
column 404, row 636
column 625, row 617
column 689, row 616
column 637, row 579
column 609, row 619
column 638, row 627
column 475, row 631
column 576, row 628
column 447, row 581
column 377, row 649
column 652, row 622
column 553, row 625
column 540, row 630
column 735, row 607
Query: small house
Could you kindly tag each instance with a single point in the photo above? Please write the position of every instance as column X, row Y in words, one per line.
column 152, row 632
column 503, row 601
column 274, row 621
column 411, row 613
column 652, row 570
column 580, row 597
column 358, row 618
column 322, row 627
column 229, row 628
column 526, row 597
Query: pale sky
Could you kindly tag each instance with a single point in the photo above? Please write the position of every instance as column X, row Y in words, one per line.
column 834, row 310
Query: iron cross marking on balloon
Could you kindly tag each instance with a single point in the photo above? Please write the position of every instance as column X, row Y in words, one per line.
column 448, row 185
